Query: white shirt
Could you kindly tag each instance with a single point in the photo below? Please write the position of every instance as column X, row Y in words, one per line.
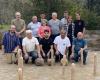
column 30, row 43
column 34, row 27
column 62, row 44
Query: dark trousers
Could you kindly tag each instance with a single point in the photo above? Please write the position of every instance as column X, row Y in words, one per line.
column 21, row 47
column 58, row 57
column 77, row 56
column 46, row 57
column 69, row 52
column 33, row 55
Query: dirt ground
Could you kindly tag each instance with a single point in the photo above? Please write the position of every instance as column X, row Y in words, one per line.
column 32, row 72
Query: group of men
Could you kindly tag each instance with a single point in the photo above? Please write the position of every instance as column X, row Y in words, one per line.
column 39, row 39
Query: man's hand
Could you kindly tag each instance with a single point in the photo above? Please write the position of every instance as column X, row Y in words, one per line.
column 44, row 55
column 57, row 52
column 39, row 55
column 48, row 54
column 18, row 33
column 26, row 55
column 72, row 55
column 81, row 50
column 15, row 50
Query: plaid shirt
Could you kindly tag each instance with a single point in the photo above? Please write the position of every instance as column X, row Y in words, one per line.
column 10, row 42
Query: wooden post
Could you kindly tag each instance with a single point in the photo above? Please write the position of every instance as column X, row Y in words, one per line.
column 95, row 64
column 19, row 53
column 81, row 57
column 20, row 63
column 73, row 71
column 52, row 57
column 20, row 74
column 63, row 63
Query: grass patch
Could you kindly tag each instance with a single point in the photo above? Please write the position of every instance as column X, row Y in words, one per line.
column 4, row 27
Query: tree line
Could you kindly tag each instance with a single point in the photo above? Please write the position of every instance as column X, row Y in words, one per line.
column 89, row 9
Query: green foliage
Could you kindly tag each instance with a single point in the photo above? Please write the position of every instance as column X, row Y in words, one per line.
column 89, row 9
column 4, row 27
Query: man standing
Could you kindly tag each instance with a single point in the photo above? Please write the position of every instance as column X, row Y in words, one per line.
column 79, row 25
column 64, row 21
column 70, row 34
column 43, row 17
column 54, row 23
column 20, row 26
column 46, row 45
column 10, row 44
column 30, row 47
column 34, row 26
column 61, row 43
column 79, row 46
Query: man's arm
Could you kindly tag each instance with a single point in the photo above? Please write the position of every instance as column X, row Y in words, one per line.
column 51, row 50
column 66, row 51
column 23, row 29
column 38, row 50
column 85, row 47
column 84, row 27
column 84, row 30
column 41, row 49
column 55, row 46
column 24, row 49
column 16, row 49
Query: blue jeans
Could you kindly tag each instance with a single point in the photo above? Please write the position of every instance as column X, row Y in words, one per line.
column 33, row 55
column 77, row 56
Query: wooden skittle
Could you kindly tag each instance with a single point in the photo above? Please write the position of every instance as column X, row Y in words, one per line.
column 20, row 74
column 81, row 58
column 95, row 64
column 64, row 61
column 51, row 61
column 73, row 71
column 20, row 63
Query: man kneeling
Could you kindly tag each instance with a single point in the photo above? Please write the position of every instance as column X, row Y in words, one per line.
column 30, row 47
column 79, row 47
column 46, row 46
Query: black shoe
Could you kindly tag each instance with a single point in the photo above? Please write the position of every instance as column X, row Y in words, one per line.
column 16, row 62
column 84, row 63
column 26, row 62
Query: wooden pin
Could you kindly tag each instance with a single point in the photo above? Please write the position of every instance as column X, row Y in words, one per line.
column 73, row 71
column 20, row 74
column 20, row 63
column 95, row 64
column 81, row 57
column 51, row 61
column 63, row 63
column 52, row 57
column 19, row 53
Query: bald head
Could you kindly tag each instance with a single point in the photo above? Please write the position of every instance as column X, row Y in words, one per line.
column 29, row 34
column 18, row 15
column 80, row 35
column 12, row 28
column 54, row 15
